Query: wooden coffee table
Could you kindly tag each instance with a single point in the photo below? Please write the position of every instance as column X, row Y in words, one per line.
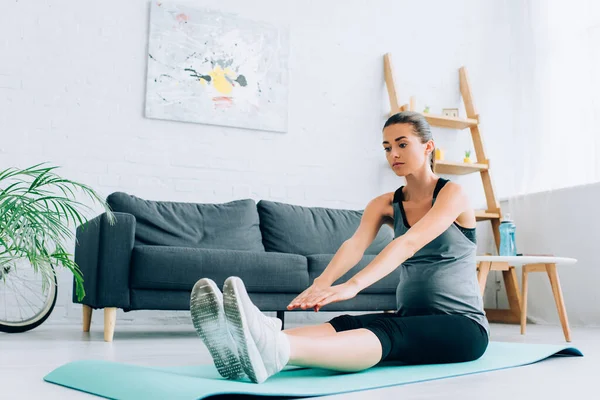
column 517, row 313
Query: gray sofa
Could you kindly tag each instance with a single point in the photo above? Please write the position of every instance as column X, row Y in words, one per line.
column 156, row 251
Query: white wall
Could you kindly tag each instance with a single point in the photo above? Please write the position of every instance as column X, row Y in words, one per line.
column 558, row 58
column 72, row 89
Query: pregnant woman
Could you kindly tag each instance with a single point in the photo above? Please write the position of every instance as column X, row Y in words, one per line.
column 439, row 317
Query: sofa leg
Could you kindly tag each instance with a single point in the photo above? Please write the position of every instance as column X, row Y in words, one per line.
column 281, row 316
column 110, row 318
column 87, row 317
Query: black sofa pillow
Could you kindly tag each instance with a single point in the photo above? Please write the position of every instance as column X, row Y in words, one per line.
column 288, row 228
column 233, row 225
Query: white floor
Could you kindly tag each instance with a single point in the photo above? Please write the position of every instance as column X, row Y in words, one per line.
column 25, row 358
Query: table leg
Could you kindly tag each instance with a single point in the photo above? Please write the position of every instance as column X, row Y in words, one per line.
column 558, row 298
column 512, row 315
column 524, row 299
column 482, row 274
column 512, row 292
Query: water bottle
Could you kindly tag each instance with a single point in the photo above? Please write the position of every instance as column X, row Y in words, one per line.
column 508, row 246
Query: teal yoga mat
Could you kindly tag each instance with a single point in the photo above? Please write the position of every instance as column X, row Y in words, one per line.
column 127, row 381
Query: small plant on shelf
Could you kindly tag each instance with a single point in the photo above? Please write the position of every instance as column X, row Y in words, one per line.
column 467, row 158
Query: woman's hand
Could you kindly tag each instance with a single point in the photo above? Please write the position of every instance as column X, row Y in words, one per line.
column 316, row 290
column 318, row 296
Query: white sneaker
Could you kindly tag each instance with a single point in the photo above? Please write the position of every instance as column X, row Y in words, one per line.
column 264, row 349
column 206, row 307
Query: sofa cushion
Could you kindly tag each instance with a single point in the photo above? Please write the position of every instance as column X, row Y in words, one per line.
column 179, row 268
column 288, row 228
column 233, row 225
column 387, row 285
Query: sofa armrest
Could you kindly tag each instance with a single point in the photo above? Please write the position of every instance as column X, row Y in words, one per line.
column 103, row 254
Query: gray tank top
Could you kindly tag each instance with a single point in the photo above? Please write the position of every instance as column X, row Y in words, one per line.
column 441, row 277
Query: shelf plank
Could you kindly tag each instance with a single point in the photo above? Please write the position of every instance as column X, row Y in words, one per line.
column 450, row 122
column 454, row 168
column 483, row 215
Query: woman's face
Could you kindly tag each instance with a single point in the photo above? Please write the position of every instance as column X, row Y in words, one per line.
column 403, row 149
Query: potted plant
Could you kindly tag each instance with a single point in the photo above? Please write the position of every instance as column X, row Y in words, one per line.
column 36, row 210
column 467, row 158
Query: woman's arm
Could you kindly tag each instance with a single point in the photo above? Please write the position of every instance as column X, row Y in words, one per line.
column 352, row 250
column 349, row 254
column 450, row 203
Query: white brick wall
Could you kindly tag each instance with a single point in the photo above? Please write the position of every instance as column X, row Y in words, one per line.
column 72, row 87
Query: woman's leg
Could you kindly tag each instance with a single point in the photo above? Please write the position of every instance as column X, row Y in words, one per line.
column 340, row 344
column 311, row 331
column 430, row 339
column 265, row 350
column 347, row 351
column 427, row 339
column 338, row 324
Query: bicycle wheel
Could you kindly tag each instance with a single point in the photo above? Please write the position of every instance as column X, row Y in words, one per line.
column 26, row 298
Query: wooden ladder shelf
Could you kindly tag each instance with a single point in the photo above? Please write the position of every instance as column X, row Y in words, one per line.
column 481, row 166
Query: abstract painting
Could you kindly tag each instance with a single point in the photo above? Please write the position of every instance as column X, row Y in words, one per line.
column 210, row 67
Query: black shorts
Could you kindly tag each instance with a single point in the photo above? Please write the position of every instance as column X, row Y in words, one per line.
column 421, row 339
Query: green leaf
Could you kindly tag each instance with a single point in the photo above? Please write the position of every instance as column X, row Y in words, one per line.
column 35, row 220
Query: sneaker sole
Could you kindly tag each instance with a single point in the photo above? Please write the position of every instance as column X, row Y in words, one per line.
column 250, row 358
column 211, row 325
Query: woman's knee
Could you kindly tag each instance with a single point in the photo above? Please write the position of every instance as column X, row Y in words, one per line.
column 464, row 349
column 386, row 331
column 345, row 323
column 477, row 351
